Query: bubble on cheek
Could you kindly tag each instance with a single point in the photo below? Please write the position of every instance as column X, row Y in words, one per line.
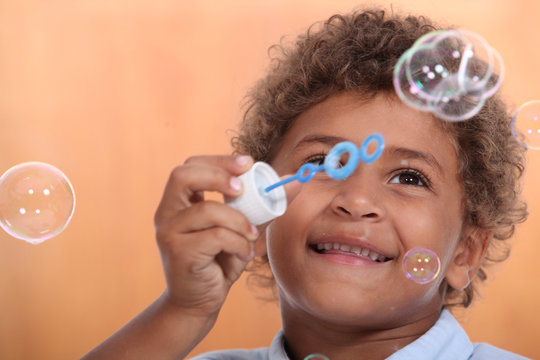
column 36, row 201
column 421, row 265
column 316, row 357
column 526, row 125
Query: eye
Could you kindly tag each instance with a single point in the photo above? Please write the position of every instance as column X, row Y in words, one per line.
column 409, row 177
column 317, row 159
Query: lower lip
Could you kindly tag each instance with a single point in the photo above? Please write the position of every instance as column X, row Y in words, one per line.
column 345, row 259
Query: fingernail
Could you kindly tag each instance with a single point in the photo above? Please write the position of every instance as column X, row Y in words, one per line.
column 242, row 160
column 254, row 230
column 235, row 183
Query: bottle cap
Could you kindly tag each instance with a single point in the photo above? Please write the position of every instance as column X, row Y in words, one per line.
column 257, row 205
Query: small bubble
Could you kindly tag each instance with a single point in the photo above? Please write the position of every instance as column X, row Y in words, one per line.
column 421, row 265
column 525, row 125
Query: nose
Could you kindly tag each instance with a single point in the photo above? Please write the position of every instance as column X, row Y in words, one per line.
column 358, row 198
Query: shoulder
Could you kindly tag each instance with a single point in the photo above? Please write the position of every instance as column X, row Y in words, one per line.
column 483, row 351
column 447, row 340
column 241, row 354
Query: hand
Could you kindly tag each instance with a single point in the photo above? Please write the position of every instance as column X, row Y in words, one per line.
column 204, row 245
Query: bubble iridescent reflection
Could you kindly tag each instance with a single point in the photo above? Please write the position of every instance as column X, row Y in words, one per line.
column 526, row 125
column 316, row 357
column 36, row 201
column 421, row 265
column 449, row 73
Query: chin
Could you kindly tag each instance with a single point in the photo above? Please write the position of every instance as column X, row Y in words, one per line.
column 338, row 309
column 356, row 311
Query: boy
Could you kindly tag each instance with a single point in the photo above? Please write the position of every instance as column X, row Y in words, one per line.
column 448, row 187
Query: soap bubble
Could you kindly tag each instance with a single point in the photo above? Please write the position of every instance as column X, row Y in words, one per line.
column 449, row 73
column 421, row 265
column 316, row 357
column 36, row 201
column 526, row 124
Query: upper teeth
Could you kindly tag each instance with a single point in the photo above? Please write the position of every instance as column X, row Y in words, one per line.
column 352, row 249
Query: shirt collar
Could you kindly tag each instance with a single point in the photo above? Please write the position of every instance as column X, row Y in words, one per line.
column 446, row 340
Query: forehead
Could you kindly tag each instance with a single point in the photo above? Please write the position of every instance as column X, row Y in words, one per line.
column 352, row 118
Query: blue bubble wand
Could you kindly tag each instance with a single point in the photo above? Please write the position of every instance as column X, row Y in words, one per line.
column 332, row 161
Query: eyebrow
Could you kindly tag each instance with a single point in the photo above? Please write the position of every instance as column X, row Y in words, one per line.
column 320, row 139
column 391, row 150
column 414, row 154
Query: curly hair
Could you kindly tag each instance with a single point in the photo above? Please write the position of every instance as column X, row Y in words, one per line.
column 357, row 53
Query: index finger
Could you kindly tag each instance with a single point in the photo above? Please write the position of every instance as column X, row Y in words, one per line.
column 198, row 174
column 235, row 164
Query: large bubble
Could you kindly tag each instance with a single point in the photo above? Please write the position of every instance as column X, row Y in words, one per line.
column 36, row 201
column 449, row 73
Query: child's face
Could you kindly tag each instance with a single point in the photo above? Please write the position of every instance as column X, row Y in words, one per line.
column 410, row 197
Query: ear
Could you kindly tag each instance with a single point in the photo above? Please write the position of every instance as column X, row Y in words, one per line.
column 468, row 257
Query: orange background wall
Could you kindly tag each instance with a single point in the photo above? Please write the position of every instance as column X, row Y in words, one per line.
column 116, row 93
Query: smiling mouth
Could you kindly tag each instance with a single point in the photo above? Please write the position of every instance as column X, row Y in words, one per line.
column 344, row 249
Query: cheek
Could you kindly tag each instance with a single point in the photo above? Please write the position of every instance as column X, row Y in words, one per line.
column 279, row 235
column 436, row 226
column 286, row 237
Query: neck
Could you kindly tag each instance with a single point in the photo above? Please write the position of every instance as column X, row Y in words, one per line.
column 304, row 336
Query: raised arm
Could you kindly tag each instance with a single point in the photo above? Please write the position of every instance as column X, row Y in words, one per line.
column 204, row 246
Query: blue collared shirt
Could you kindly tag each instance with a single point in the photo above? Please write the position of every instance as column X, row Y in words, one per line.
column 446, row 340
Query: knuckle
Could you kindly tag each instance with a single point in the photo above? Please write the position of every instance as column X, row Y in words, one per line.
column 178, row 173
column 158, row 217
column 206, row 208
column 171, row 247
column 162, row 234
column 192, row 159
column 220, row 233
column 165, row 241
column 218, row 173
